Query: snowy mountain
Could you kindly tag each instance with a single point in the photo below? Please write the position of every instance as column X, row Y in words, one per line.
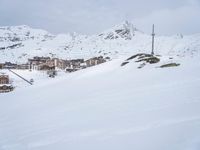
column 125, row 31
column 123, row 104
column 19, row 43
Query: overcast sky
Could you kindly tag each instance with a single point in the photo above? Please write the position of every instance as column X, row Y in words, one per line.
column 94, row 16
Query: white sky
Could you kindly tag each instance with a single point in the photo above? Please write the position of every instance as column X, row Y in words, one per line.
column 94, row 16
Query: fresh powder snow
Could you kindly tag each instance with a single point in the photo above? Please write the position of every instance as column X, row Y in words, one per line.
column 108, row 106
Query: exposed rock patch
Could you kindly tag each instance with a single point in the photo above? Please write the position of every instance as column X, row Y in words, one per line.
column 170, row 65
column 124, row 63
column 143, row 59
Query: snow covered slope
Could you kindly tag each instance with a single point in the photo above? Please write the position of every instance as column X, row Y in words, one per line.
column 107, row 107
column 19, row 43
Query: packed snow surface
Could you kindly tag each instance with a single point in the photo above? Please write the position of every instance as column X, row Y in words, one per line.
column 107, row 107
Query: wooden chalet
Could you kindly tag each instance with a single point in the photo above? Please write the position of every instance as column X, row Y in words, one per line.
column 5, row 85
column 4, row 79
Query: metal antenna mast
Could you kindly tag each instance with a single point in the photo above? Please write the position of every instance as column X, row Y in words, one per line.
column 153, row 36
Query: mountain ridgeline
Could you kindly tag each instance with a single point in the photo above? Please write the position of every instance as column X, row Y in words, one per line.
column 18, row 43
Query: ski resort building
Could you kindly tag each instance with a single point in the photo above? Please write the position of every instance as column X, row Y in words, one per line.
column 95, row 61
column 1, row 66
column 57, row 63
column 23, row 66
column 36, row 62
column 74, row 65
column 4, row 79
column 9, row 65
column 45, row 67
column 46, row 63
column 5, row 85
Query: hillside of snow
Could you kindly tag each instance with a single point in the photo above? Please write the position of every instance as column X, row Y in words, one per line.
column 123, row 104
column 107, row 107
column 18, row 43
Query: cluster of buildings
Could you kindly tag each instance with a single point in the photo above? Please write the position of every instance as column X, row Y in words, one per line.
column 47, row 63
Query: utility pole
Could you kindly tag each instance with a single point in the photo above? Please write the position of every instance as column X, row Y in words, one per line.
column 153, row 36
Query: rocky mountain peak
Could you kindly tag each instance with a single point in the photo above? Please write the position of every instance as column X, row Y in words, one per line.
column 126, row 31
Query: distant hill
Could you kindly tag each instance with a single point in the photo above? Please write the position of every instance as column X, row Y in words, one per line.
column 17, row 43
